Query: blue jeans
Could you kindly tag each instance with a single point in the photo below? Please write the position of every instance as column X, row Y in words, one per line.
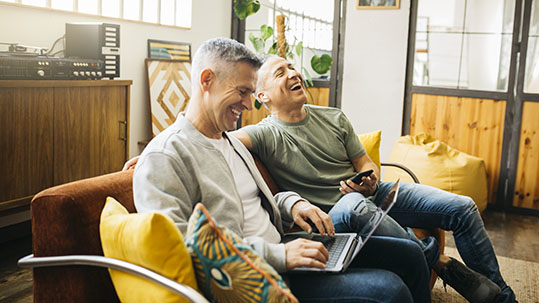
column 423, row 206
column 385, row 270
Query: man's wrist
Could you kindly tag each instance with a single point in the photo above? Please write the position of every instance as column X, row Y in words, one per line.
column 376, row 186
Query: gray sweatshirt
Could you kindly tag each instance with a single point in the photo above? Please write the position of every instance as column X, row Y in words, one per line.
column 180, row 168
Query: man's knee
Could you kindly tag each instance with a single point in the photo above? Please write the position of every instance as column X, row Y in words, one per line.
column 392, row 288
column 348, row 204
column 413, row 254
column 352, row 211
column 464, row 206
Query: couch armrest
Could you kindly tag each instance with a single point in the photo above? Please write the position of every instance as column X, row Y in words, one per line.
column 185, row 291
column 406, row 169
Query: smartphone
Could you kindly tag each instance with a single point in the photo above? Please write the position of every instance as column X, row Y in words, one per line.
column 357, row 178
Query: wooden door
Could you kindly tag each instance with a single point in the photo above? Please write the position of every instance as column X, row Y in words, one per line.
column 472, row 125
column 90, row 136
column 526, row 193
column 26, row 151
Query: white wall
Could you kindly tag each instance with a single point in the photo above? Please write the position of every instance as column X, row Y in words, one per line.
column 36, row 27
column 374, row 70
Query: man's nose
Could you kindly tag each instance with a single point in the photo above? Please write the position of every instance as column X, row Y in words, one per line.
column 292, row 73
column 295, row 74
column 247, row 102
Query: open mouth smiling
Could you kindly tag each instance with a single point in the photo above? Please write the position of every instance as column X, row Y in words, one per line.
column 235, row 111
column 295, row 87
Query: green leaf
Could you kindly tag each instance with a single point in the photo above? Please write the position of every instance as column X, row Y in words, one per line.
column 258, row 43
column 266, row 32
column 273, row 49
column 299, row 48
column 321, row 64
column 258, row 104
column 245, row 8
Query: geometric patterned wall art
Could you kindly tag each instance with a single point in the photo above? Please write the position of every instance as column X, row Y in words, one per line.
column 169, row 90
column 158, row 49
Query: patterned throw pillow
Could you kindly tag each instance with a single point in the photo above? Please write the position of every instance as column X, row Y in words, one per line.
column 226, row 268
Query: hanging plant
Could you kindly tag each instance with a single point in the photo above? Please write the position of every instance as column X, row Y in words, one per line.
column 245, row 8
column 321, row 64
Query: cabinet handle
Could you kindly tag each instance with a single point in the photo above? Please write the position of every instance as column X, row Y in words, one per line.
column 122, row 130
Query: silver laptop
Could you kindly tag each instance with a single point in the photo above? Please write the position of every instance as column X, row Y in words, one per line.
column 344, row 247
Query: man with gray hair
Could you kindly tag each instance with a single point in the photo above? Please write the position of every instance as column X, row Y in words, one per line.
column 194, row 160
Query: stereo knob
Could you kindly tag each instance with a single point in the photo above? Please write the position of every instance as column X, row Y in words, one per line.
column 93, row 74
column 75, row 73
column 41, row 73
column 88, row 74
column 99, row 74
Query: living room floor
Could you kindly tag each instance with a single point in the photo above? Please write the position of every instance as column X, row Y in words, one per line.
column 513, row 236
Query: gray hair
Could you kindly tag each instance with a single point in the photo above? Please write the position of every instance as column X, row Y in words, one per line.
column 263, row 59
column 219, row 53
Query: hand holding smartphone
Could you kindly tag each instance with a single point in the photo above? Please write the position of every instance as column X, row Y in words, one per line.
column 357, row 178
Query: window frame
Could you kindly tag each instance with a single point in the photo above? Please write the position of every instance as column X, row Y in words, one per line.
column 238, row 30
column 99, row 13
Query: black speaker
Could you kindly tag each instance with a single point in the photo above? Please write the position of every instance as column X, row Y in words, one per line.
column 95, row 41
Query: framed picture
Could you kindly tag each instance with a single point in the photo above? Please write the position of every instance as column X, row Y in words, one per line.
column 169, row 90
column 159, row 49
column 378, row 4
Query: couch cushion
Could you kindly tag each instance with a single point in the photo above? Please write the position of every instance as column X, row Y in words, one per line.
column 150, row 240
column 227, row 269
column 371, row 142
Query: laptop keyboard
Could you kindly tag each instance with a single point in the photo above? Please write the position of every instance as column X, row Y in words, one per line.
column 334, row 245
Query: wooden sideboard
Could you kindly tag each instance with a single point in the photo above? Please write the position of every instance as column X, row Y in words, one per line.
column 53, row 132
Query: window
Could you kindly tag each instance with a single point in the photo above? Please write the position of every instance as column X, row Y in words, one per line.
column 165, row 12
column 308, row 21
column 531, row 83
column 463, row 44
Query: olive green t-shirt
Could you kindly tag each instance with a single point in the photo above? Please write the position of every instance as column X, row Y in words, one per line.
column 308, row 157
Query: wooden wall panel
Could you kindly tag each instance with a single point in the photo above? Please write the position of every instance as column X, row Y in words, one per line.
column 318, row 96
column 25, row 143
column 527, row 180
column 88, row 132
column 315, row 95
column 474, row 126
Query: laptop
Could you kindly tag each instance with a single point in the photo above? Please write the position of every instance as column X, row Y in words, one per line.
column 344, row 247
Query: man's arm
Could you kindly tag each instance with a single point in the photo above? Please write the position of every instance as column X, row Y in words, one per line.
column 158, row 186
column 241, row 135
column 368, row 185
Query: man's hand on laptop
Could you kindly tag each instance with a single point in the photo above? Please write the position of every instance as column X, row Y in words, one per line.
column 366, row 187
column 303, row 252
column 303, row 211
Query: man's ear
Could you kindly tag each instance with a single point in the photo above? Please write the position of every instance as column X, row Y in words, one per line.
column 206, row 78
column 262, row 97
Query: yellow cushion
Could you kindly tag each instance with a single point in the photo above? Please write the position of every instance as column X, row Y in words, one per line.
column 439, row 165
column 150, row 240
column 371, row 142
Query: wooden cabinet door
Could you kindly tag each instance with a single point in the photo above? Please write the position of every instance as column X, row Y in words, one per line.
column 26, row 151
column 90, row 125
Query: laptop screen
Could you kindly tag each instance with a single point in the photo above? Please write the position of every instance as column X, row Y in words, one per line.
column 380, row 212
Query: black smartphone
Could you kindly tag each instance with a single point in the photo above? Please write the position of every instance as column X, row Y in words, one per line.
column 357, row 178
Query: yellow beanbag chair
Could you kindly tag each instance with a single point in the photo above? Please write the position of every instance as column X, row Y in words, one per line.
column 439, row 165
